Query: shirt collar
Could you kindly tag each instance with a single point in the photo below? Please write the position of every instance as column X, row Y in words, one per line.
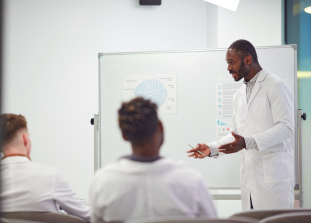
column 16, row 154
column 254, row 79
column 137, row 158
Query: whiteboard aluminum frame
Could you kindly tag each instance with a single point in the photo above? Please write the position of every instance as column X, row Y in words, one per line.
column 96, row 147
column 98, row 120
column 297, row 151
column 299, row 158
column 294, row 46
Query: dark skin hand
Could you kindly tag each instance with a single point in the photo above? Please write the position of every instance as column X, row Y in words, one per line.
column 233, row 147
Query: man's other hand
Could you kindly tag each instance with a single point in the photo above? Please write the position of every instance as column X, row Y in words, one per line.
column 203, row 148
column 236, row 146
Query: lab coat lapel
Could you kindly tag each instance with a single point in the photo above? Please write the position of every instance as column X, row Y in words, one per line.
column 254, row 92
column 257, row 86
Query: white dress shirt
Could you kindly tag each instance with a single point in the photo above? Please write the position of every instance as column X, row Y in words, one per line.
column 29, row 186
column 131, row 190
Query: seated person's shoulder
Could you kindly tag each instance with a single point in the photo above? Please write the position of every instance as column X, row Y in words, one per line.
column 181, row 167
column 176, row 173
column 105, row 170
column 161, row 166
column 164, row 169
column 43, row 170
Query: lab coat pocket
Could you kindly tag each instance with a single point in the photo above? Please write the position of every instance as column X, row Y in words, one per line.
column 260, row 108
column 275, row 168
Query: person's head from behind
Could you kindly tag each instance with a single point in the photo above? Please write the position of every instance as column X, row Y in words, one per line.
column 241, row 56
column 15, row 137
column 139, row 123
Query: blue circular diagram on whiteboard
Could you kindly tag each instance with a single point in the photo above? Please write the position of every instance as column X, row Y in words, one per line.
column 153, row 90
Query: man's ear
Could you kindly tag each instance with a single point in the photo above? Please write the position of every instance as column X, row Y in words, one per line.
column 25, row 139
column 160, row 126
column 248, row 60
column 124, row 137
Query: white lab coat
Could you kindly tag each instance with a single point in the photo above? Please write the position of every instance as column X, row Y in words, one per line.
column 29, row 186
column 266, row 174
column 130, row 190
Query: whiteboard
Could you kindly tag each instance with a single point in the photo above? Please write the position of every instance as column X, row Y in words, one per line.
column 195, row 121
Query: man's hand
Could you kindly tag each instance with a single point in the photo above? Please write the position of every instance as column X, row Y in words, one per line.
column 203, row 148
column 233, row 147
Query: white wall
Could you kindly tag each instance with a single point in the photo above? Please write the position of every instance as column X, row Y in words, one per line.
column 259, row 21
column 51, row 67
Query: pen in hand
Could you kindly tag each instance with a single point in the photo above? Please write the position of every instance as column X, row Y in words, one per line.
column 197, row 150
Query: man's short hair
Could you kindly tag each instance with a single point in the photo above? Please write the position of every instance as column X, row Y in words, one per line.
column 244, row 48
column 138, row 119
column 10, row 125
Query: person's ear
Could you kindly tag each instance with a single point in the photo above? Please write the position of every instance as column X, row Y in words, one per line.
column 160, row 126
column 161, row 132
column 248, row 60
column 25, row 139
column 124, row 137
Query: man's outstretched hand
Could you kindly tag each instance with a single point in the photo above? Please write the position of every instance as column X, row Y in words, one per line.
column 233, row 147
column 203, row 148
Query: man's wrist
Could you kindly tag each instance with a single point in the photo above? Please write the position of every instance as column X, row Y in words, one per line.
column 213, row 150
column 210, row 152
column 250, row 143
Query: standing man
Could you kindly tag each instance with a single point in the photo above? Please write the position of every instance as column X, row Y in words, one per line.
column 262, row 124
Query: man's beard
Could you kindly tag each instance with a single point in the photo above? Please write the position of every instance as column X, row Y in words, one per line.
column 242, row 72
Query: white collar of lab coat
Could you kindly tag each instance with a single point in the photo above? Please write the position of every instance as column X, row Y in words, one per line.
column 262, row 76
column 128, row 166
column 15, row 159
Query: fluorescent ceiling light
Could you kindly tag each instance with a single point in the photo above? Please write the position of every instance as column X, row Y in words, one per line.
column 228, row 4
column 308, row 9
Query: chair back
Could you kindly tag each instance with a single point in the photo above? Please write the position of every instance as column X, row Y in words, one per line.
column 188, row 220
column 261, row 214
column 5, row 220
column 193, row 220
column 46, row 217
column 207, row 221
column 301, row 217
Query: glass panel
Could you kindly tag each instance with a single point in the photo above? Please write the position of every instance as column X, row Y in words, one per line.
column 298, row 31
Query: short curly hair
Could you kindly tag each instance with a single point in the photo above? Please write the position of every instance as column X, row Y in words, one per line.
column 244, row 48
column 138, row 119
column 10, row 125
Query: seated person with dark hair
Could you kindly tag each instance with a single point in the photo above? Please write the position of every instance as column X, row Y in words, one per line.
column 28, row 186
column 145, row 185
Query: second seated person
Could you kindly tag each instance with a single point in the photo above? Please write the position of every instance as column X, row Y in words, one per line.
column 145, row 185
